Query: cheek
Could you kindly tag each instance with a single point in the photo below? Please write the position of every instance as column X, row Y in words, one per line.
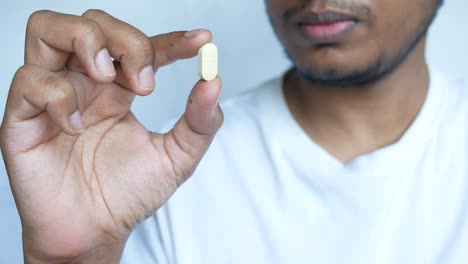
column 276, row 9
column 398, row 22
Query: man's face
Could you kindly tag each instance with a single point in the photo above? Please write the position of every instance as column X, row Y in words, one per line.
column 349, row 42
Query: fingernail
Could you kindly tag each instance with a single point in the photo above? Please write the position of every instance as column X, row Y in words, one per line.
column 76, row 122
column 193, row 33
column 104, row 63
column 146, row 78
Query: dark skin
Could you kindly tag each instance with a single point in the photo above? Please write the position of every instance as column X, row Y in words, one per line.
column 82, row 186
column 83, row 181
column 362, row 93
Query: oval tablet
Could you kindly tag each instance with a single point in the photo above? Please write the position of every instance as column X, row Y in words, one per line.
column 208, row 62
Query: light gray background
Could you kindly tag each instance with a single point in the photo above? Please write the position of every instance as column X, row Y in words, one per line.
column 249, row 54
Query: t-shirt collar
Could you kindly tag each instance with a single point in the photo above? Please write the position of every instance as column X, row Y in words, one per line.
column 291, row 141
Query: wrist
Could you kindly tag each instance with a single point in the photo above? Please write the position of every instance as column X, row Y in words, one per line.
column 107, row 254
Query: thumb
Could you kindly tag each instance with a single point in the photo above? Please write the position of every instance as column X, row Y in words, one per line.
column 188, row 141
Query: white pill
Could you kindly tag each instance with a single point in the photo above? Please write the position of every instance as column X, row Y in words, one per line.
column 208, row 62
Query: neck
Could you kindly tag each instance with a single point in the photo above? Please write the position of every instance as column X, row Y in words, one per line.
column 349, row 122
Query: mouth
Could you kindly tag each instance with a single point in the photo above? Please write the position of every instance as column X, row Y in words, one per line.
column 326, row 28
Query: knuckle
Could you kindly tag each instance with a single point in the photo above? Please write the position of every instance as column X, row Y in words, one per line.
column 98, row 15
column 139, row 43
column 38, row 18
column 57, row 89
column 34, row 82
column 25, row 73
column 94, row 13
column 89, row 27
column 88, row 30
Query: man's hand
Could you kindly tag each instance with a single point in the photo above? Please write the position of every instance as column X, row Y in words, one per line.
column 83, row 170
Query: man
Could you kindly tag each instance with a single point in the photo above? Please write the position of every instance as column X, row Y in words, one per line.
column 356, row 155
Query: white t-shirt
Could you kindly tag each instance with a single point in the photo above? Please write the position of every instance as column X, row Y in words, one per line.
column 265, row 193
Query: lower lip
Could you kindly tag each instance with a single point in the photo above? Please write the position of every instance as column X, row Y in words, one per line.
column 331, row 33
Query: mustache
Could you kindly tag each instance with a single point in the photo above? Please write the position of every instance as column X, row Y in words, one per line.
column 349, row 9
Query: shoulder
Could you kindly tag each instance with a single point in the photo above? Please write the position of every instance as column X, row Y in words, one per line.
column 452, row 93
column 450, row 114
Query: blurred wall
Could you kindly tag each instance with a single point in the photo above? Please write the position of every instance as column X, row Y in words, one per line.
column 249, row 54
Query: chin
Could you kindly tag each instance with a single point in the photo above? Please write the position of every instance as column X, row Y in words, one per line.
column 340, row 69
column 337, row 76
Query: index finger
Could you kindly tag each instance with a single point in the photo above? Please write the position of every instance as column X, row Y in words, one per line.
column 137, row 56
column 169, row 48
column 178, row 45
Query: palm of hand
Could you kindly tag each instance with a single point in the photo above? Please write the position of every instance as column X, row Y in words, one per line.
column 106, row 179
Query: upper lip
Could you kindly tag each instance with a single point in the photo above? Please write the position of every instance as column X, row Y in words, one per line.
column 325, row 17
